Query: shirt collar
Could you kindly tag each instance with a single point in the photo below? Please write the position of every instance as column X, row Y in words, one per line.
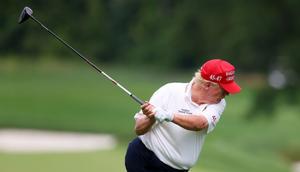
column 188, row 92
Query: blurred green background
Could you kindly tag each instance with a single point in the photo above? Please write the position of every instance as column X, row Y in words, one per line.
column 143, row 45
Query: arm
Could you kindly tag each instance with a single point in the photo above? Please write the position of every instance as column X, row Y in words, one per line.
column 145, row 119
column 207, row 119
column 190, row 122
column 143, row 124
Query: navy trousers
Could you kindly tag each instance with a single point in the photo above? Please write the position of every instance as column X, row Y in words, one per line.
column 140, row 159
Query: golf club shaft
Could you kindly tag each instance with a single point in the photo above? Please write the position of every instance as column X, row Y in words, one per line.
column 89, row 62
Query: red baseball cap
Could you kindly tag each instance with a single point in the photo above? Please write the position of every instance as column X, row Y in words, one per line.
column 221, row 72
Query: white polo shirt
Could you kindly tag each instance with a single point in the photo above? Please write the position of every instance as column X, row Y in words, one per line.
column 175, row 146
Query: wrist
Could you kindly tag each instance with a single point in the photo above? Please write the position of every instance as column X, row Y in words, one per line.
column 172, row 116
column 163, row 115
column 152, row 117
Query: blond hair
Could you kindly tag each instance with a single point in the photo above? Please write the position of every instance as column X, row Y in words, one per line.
column 198, row 79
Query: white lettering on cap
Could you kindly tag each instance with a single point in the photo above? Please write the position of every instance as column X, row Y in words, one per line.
column 230, row 73
column 230, row 78
column 215, row 78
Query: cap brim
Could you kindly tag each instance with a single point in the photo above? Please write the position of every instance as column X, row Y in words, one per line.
column 231, row 88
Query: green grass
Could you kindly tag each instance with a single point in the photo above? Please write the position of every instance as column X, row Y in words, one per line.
column 74, row 162
column 70, row 96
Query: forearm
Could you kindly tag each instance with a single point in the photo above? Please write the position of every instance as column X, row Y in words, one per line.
column 190, row 122
column 143, row 124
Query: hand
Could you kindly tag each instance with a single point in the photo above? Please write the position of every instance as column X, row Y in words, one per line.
column 148, row 110
column 162, row 115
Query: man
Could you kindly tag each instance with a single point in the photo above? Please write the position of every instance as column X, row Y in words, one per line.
column 172, row 126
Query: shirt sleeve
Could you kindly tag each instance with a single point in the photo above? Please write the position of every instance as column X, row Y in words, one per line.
column 158, row 99
column 213, row 114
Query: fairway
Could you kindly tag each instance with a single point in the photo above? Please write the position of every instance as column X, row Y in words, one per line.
column 65, row 96
column 75, row 162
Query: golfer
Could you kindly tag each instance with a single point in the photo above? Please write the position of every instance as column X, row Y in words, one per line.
column 172, row 126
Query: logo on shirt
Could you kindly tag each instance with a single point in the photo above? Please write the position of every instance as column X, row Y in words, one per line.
column 214, row 120
column 185, row 111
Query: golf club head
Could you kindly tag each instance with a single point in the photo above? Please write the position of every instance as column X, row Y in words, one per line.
column 25, row 14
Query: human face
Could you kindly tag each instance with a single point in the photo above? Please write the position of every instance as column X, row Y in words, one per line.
column 208, row 92
column 217, row 93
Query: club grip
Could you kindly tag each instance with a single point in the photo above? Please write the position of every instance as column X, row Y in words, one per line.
column 138, row 100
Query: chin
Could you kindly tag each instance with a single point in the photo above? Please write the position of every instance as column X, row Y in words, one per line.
column 216, row 101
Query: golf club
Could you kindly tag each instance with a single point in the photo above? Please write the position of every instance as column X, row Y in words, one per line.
column 27, row 13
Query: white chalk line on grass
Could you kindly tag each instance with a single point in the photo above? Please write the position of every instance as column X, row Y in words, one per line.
column 37, row 141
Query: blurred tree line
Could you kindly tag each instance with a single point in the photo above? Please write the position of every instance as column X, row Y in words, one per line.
column 256, row 35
